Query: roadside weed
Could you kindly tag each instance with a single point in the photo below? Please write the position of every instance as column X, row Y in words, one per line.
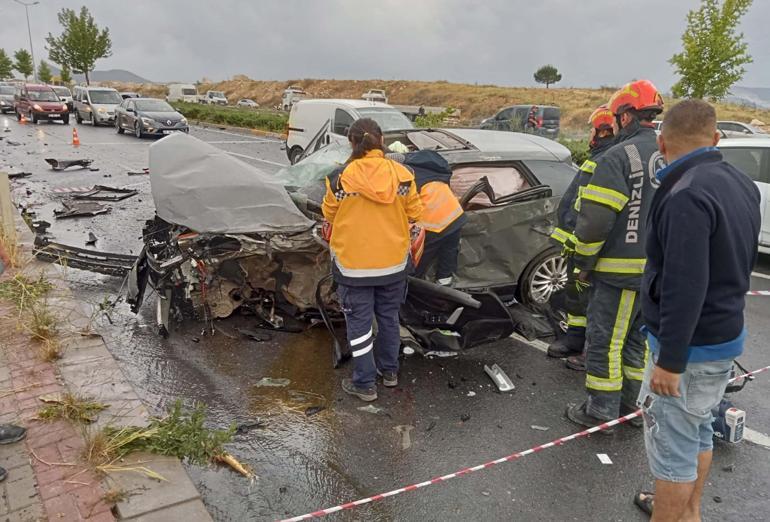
column 76, row 408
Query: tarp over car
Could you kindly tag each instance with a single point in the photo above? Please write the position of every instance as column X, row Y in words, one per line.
column 205, row 189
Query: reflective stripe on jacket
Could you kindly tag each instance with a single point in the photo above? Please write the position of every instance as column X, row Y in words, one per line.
column 440, row 206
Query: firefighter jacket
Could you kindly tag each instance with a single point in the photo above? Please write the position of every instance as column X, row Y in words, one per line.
column 611, row 225
column 441, row 209
column 370, row 204
column 566, row 214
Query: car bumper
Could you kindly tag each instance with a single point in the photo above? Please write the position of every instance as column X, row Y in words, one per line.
column 160, row 131
column 50, row 115
column 104, row 118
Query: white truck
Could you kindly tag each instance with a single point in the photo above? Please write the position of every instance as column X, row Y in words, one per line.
column 184, row 92
column 291, row 95
column 214, row 98
column 375, row 95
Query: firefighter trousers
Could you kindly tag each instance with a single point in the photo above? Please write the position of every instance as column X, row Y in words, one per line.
column 441, row 249
column 616, row 352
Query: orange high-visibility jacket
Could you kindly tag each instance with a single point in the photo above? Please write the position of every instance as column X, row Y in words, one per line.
column 440, row 206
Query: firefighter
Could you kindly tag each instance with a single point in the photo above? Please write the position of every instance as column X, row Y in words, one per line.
column 442, row 217
column 571, row 345
column 609, row 250
column 370, row 202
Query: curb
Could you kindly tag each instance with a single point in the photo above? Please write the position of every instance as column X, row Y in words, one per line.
column 87, row 367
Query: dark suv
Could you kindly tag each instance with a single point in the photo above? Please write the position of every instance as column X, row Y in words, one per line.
column 544, row 121
column 40, row 102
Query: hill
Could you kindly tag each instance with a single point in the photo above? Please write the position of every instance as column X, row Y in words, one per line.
column 110, row 75
column 475, row 101
column 751, row 96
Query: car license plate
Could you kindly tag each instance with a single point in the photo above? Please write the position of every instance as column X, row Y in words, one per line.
column 167, row 131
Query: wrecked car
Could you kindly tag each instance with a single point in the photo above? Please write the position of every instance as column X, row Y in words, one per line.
column 227, row 236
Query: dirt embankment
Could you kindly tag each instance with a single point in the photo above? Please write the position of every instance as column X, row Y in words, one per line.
column 475, row 101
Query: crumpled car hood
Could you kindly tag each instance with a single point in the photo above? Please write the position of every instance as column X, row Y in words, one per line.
column 203, row 188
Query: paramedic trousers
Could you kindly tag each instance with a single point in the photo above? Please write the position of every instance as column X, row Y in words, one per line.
column 442, row 249
column 616, row 351
column 361, row 306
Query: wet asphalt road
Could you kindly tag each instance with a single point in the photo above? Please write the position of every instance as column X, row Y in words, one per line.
column 341, row 453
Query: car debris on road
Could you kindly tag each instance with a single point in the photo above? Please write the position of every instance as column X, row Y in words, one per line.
column 59, row 164
column 105, row 193
column 72, row 208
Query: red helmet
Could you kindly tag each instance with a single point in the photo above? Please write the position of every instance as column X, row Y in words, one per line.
column 602, row 118
column 640, row 95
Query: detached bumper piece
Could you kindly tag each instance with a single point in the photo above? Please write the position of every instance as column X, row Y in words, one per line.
column 80, row 209
column 57, row 164
column 83, row 259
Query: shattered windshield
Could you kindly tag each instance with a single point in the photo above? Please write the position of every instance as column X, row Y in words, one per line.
column 388, row 119
column 315, row 167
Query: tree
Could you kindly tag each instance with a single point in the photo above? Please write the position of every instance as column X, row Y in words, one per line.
column 23, row 63
column 65, row 75
column 6, row 65
column 81, row 42
column 547, row 74
column 44, row 72
column 713, row 54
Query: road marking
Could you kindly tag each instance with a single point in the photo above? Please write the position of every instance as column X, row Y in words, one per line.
column 237, row 134
column 537, row 343
column 758, row 274
column 756, row 437
column 226, row 142
column 257, row 159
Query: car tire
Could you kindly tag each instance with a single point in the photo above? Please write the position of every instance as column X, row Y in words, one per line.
column 33, row 118
column 65, row 119
column 92, row 120
column 294, row 154
column 18, row 116
column 78, row 118
column 138, row 130
column 118, row 128
column 544, row 275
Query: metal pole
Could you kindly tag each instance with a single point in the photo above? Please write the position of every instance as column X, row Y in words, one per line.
column 29, row 33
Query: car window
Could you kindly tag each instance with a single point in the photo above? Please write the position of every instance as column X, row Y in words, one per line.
column 342, row 122
column 754, row 162
column 555, row 174
column 504, row 180
column 6, row 89
column 130, row 105
column 153, row 106
column 387, row 118
column 43, row 96
column 551, row 113
column 506, row 114
column 105, row 97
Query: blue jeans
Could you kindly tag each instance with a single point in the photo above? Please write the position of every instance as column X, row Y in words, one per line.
column 677, row 429
column 361, row 305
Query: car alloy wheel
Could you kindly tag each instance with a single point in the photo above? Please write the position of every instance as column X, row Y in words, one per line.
column 547, row 277
column 138, row 129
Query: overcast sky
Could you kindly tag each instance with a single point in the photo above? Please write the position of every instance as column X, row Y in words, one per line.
column 592, row 42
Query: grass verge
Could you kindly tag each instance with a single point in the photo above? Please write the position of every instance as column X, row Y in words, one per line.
column 76, row 408
column 234, row 116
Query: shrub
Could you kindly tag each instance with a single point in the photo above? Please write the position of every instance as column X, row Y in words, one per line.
column 578, row 149
column 235, row 116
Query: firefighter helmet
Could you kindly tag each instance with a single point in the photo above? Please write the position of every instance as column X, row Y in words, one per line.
column 601, row 119
column 640, row 95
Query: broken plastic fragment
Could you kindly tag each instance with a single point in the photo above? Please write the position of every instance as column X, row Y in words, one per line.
column 539, row 428
column 268, row 382
column 371, row 409
column 434, row 353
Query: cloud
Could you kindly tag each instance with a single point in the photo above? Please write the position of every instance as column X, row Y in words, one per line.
column 596, row 42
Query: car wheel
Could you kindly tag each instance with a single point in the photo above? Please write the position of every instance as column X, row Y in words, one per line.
column 544, row 275
column 65, row 119
column 92, row 120
column 118, row 128
column 294, row 155
column 32, row 118
column 138, row 130
column 18, row 116
column 77, row 117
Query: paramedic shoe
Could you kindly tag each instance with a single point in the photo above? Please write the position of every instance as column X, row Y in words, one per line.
column 563, row 348
column 365, row 394
column 636, row 422
column 576, row 362
column 10, row 433
column 444, row 281
column 577, row 414
column 389, row 379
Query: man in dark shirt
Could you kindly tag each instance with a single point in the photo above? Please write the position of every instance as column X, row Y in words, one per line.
column 702, row 240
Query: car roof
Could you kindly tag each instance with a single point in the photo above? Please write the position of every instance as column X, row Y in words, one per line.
column 89, row 88
column 743, row 143
column 37, row 87
column 526, row 146
column 353, row 104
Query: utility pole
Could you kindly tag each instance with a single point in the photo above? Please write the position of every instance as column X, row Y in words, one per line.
column 29, row 32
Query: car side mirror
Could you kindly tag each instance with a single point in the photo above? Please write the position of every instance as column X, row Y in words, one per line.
column 129, row 109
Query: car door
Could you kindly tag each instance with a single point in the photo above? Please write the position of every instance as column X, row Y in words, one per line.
column 130, row 114
column 755, row 163
column 503, row 119
column 342, row 122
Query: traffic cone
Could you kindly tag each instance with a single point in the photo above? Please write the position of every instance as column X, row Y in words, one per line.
column 75, row 138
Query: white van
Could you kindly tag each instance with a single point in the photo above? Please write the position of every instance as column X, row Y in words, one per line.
column 185, row 92
column 308, row 117
column 291, row 96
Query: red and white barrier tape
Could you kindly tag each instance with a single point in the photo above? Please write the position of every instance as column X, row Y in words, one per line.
column 765, row 293
column 514, row 456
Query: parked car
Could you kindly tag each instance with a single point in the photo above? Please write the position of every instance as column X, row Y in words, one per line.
column 6, row 98
column 515, row 118
column 96, row 105
column 308, row 116
column 184, row 92
column 148, row 116
column 753, row 158
column 214, row 98
column 39, row 102
column 291, row 95
column 736, row 129
column 376, row 95
column 125, row 95
column 256, row 245
column 64, row 95
column 245, row 102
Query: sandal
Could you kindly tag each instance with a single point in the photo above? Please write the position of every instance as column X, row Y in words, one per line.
column 644, row 501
